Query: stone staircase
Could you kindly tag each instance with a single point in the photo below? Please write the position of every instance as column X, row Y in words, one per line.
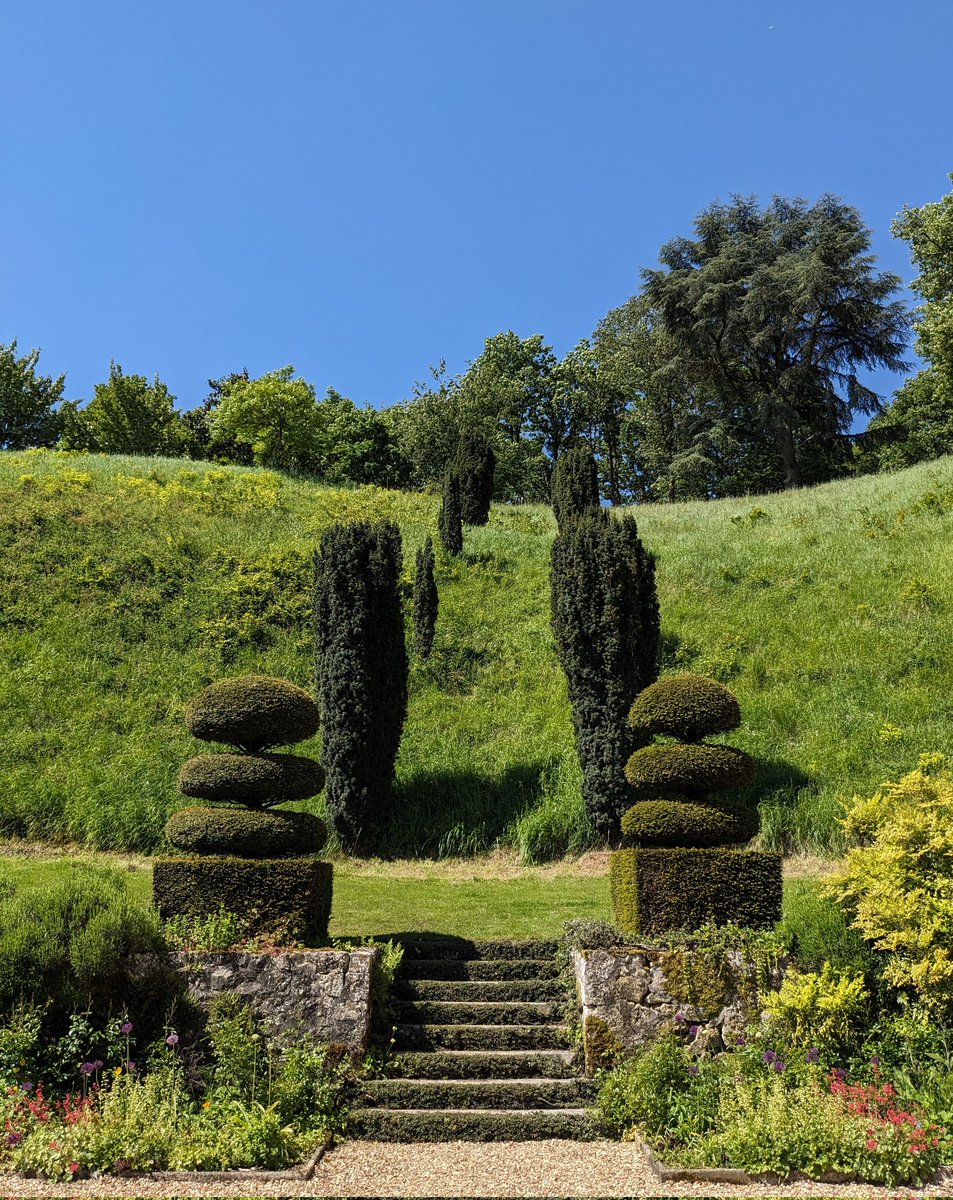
column 481, row 1051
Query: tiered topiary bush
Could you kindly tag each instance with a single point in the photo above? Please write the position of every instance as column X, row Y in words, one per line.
column 251, row 858
column 681, row 864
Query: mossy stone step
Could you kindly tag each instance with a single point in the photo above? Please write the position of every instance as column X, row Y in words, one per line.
column 472, row 1125
column 495, row 990
column 480, row 1037
column 466, row 951
column 486, row 1064
column 478, row 1093
column 478, row 968
column 476, row 1012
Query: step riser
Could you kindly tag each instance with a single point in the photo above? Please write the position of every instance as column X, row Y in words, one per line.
column 473, row 1065
column 493, row 1094
column 506, row 991
column 490, row 968
column 414, row 1126
column 439, row 1012
column 468, row 951
column 480, row 1037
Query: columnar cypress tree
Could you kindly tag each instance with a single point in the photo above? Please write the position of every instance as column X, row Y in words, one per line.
column 361, row 668
column 606, row 620
column 474, row 464
column 575, row 487
column 426, row 600
column 450, row 526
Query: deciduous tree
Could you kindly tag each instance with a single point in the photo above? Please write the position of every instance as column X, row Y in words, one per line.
column 28, row 415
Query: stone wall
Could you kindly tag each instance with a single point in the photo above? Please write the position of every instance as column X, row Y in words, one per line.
column 326, row 993
column 629, row 995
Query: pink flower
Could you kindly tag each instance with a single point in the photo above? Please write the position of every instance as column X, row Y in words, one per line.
column 872, row 1144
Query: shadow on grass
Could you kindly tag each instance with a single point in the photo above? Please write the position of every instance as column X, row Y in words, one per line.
column 444, row 813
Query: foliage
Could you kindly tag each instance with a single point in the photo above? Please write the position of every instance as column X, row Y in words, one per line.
column 687, row 707
column 666, row 768
column 450, row 523
column 818, row 931
column 897, row 879
column 275, row 415
column 774, row 310
column 249, row 833
column 28, row 415
column 575, row 487
column 256, row 780
column 584, row 933
column 606, row 622
column 473, row 465
column 212, row 932
column 678, row 822
column 68, row 944
column 426, row 601
column 127, row 415
column 252, row 713
column 361, row 672
column 822, row 1009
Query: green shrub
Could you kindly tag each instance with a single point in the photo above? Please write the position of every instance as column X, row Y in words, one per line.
column 823, row 1009
column 575, row 486
column 688, row 707
column 654, row 890
column 674, row 822
column 245, row 833
column 289, row 897
column 642, row 1090
column 473, row 466
column 586, row 933
column 257, row 780
column 68, row 944
column 361, row 670
column 450, row 522
column 695, row 770
column 426, row 601
column 817, row 930
column 606, row 622
column 252, row 712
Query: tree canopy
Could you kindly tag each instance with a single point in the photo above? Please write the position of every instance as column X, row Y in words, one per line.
column 127, row 415
column 28, row 415
column 774, row 310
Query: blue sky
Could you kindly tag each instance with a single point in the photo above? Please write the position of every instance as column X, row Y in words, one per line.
column 362, row 189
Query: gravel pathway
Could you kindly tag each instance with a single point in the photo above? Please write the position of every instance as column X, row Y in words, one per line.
column 452, row 1169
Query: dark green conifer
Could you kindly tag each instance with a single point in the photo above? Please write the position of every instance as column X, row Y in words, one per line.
column 426, row 601
column 474, row 464
column 361, row 669
column 575, row 487
column 606, row 620
column 450, row 526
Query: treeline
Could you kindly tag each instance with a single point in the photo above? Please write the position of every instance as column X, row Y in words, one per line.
column 735, row 369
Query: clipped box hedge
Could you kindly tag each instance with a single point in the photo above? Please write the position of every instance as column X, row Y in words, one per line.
column 292, row 895
column 655, row 890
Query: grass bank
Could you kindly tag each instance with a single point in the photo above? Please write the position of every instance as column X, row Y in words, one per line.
column 126, row 585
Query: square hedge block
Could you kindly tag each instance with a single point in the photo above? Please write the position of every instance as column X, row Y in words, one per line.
column 654, row 889
column 288, row 894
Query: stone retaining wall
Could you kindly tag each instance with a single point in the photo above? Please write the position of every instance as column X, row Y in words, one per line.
column 629, row 994
column 325, row 993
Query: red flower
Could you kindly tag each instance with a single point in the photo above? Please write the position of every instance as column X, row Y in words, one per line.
column 872, row 1144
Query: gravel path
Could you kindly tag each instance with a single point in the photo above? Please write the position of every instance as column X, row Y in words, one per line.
column 451, row 1169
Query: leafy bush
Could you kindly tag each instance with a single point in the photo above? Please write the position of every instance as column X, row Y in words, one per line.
column 585, row 933
column 696, row 770
column 256, row 780
column 818, row 1009
column 249, row 834
column 816, row 930
column 898, row 881
column 674, row 822
column 641, row 1091
column 252, row 712
column 67, row 944
column 688, row 707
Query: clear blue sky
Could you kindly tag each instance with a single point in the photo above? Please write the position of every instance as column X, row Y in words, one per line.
column 361, row 189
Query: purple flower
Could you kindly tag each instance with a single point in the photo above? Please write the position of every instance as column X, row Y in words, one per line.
column 126, row 1027
column 742, row 1040
column 840, row 1073
column 680, row 1017
column 813, row 1055
column 769, row 1057
column 27, row 1086
column 90, row 1068
column 693, row 1070
column 172, row 1039
column 693, row 1030
column 14, row 1138
column 875, row 1062
column 778, row 1065
column 130, row 1066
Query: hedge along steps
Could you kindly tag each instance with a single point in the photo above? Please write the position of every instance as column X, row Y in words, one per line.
column 465, row 951
column 481, row 1070
column 490, row 969
column 496, row 990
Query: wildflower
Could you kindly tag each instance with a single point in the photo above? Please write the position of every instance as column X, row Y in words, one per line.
column 693, row 1070
column 875, row 1062
column 207, row 1104
column 74, row 1168
column 172, row 1039
column 741, row 1040
column 126, row 1027
column 27, row 1085
column 118, row 1071
column 693, row 1030
column 679, row 1017
column 130, row 1066
column 14, row 1138
column 769, row 1057
column 813, row 1055
column 778, row 1065
column 872, row 1143
column 840, row 1074
column 90, row 1068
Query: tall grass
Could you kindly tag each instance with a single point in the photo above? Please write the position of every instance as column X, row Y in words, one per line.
column 128, row 584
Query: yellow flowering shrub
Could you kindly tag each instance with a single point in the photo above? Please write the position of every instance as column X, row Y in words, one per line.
column 897, row 879
column 817, row 1009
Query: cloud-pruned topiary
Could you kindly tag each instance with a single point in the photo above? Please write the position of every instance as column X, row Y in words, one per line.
column 253, row 713
column 248, row 833
column 675, row 818
column 255, row 780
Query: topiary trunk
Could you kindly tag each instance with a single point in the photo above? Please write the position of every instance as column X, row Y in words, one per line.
column 361, row 668
column 606, row 621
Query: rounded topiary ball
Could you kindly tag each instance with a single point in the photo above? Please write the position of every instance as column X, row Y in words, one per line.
column 252, row 712
column 669, row 823
column 256, row 780
column 695, row 770
column 689, row 707
column 244, row 833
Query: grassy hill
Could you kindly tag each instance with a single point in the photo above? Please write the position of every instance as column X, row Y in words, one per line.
column 128, row 584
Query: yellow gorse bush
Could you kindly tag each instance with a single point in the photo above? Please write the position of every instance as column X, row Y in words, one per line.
column 897, row 879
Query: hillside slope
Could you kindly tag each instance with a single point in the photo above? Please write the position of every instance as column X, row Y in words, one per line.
column 128, row 584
